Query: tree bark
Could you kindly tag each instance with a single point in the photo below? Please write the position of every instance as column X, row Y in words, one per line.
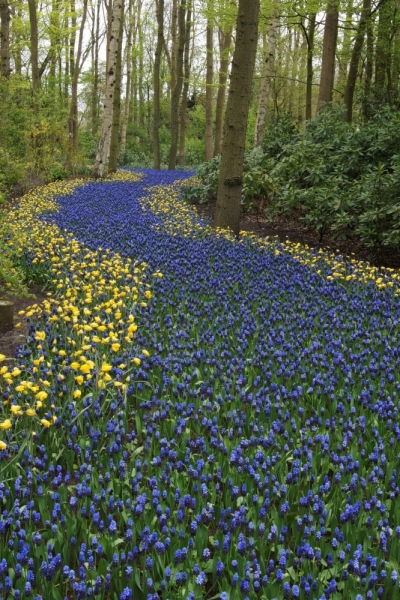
column 355, row 59
column 227, row 214
column 383, row 43
column 328, row 54
column 73, row 113
column 95, row 87
column 127, row 106
column 225, row 41
column 141, row 108
column 34, row 41
column 266, row 80
column 176, row 92
column 344, row 56
column 310, row 73
column 112, row 161
column 157, row 83
column 5, row 16
column 113, row 50
column 182, row 131
column 209, row 83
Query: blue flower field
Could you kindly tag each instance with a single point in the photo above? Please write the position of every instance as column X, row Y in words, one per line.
column 195, row 416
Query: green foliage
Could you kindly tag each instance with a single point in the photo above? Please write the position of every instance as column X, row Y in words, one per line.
column 11, row 275
column 333, row 176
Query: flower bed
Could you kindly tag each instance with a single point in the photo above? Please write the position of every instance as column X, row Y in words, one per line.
column 195, row 416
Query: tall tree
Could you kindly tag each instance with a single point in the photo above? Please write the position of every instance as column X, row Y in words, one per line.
column 176, row 91
column 95, row 66
column 5, row 38
column 73, row 113
column 34, row 43
column 227, row 214
column 113, row 49
column 355, row 59
column 266, row 78
column 328, row 54
column 128, row 87
column 157, row 83
column 225, row 42
column 310, row 73
column 209, row 81
column 185, row 91
column 113, row 153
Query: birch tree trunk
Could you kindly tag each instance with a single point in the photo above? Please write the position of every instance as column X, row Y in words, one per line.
column 225, row 41
column 209, row 83
column 95, row 88
column 5, row 38
column 113, row 50
column 227, row 214
column 266, row 79
column 328, row 54
column 112, row 161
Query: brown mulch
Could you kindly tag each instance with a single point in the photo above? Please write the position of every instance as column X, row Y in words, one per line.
column 10, row 340
column 295, row 231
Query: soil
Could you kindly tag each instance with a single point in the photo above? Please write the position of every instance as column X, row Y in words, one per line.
column 295, row 231
column 10, row 340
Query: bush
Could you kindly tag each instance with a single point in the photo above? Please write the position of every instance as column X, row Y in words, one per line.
column 334, row 176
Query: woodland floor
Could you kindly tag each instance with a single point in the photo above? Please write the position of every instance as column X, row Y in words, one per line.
column 11, row 339
column 295, row 231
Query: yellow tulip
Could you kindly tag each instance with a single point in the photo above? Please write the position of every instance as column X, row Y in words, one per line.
column 45, row 422
column 3, row 445
column 115, row 347
column 6, row 424
column 30, row 412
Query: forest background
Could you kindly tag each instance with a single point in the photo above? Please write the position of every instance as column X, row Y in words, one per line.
column 325, row 84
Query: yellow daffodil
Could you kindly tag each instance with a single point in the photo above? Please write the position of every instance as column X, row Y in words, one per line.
column 45, row 422
column 136, row 360
column 30, row 412
column 3, row 445
column 6, row 424
column 115, row 347
column 77, row 393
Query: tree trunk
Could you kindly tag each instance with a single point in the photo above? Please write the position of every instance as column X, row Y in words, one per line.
column 209, row 83
column 113, row 50
column 227, row 214
column 72, row 39
column 328, row 54
column 225, row 41
column 73, row 113
column 112, row 161
column 266, row 80
column 369, row 59
column 355, row 59
column 182, row 133
column 141, row 108
column 310, row 73
column 383, row 43
column 5, row 38
column 34, row 54
column 344, row 56
column 128, row 79
column 157, row 85
column 95, row 87
column 176, row 92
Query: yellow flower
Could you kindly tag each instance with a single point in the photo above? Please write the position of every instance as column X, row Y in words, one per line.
column 75, row 365
column 85, row 368
column 77, row 393
column 41, row 396
column 15, row 409
column 6, row 424
column 147, row 294
column 107, row 377
column 3, row 445
column 39, row 404
column 116, row 347
column 62, row 353
column 30, row 412
column 105, row 367
column 2, row 357
column 45, row 422
column 136, row 360
column 40, row 336
column 145, row 353
column 79, row 379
